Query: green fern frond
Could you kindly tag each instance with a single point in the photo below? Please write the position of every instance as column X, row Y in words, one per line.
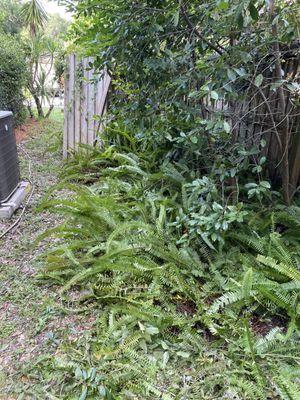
column 285, row 270
column 287, row 389
column 226, row 299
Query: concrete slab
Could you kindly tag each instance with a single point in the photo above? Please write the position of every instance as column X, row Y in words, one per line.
column 14, row 202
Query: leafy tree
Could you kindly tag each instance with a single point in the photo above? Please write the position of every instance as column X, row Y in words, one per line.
column 56, row 27
column 189, row 57
column 10, row 18
column 34, row 16
column 43, row 45
column 13, row 77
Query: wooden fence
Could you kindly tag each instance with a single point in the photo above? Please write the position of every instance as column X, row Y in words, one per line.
column 86, row 95
column 259, row 114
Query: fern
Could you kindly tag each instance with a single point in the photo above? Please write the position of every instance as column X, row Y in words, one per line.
column 170, row 318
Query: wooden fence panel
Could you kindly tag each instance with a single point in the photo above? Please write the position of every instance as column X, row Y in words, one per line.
column 83, row 107
column 77, row 104
column 86, row 96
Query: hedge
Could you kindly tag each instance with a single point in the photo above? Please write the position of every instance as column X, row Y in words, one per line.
column 13, row 74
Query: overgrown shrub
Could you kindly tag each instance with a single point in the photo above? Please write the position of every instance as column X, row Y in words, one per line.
column 174, row 321
column 13, row 76
column 173, row 235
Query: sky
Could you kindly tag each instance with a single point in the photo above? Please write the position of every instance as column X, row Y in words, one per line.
column 52, row 8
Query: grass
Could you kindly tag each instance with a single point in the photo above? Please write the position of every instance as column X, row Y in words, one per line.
column 27, row 307
column 57, row 114
column 39, row 328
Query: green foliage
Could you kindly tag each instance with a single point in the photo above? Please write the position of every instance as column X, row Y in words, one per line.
column 10, row 19
column 274, row 283
column 13, row 77
column 34, row 16
column 171, row 232
column 202, row 214
column 159, row 319
column 195, row 64
column 44, row 47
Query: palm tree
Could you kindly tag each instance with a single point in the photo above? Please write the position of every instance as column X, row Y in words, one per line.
column 34, row 16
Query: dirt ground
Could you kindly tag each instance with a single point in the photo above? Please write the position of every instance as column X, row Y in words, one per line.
column 25, row 131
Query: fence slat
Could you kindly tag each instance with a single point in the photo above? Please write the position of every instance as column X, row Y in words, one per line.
column 84, row 109
column 103, row 94
column 77, row 105
column 71, row 113
column 66, row 102
column 90, row 104
column 84, row 98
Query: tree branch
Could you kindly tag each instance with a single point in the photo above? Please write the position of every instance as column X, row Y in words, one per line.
column 219, row 49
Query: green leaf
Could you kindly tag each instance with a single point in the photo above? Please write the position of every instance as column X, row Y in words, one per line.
column 262, row 160
column 214, row 95
column 83, row 393
column 207, row 241
column 276, row 85
column 263, row 143
column 78, row 373
column 240, row 71
column 227, row 128
column 250, row 185
column 152, row 330
column 166, row 357
column 247, row 283
column 231, row 74
column 176, row 18
column 240, row 20
column 253, row 11
column 258, row 80
column 102, row 391
column 265, row 184
column 223, row 5
column 183, row 354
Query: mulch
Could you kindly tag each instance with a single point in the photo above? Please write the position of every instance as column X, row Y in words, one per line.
column 26, row 130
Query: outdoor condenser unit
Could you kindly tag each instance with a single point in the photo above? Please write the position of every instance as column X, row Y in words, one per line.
column 9, row 165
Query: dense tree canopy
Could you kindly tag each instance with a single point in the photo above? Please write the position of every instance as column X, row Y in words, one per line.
column 10, row 18
column 178, row 60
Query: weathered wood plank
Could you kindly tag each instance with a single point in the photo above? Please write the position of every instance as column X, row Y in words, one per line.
column 66, row 112
column 71, row 114
column 103, row 95
column 84, row 109
column 90, row 104
column 77, row 105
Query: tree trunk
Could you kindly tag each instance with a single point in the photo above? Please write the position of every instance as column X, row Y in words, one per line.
column 30, row 111
column 284, row 124
column 49, row 111
column 38, row 106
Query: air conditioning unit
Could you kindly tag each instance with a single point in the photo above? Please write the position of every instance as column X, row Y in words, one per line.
column 9, row 165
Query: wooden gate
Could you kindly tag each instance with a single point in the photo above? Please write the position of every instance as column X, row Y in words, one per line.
column 86, row 95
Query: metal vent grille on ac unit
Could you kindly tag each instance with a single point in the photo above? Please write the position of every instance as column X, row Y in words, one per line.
column 9, row 166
